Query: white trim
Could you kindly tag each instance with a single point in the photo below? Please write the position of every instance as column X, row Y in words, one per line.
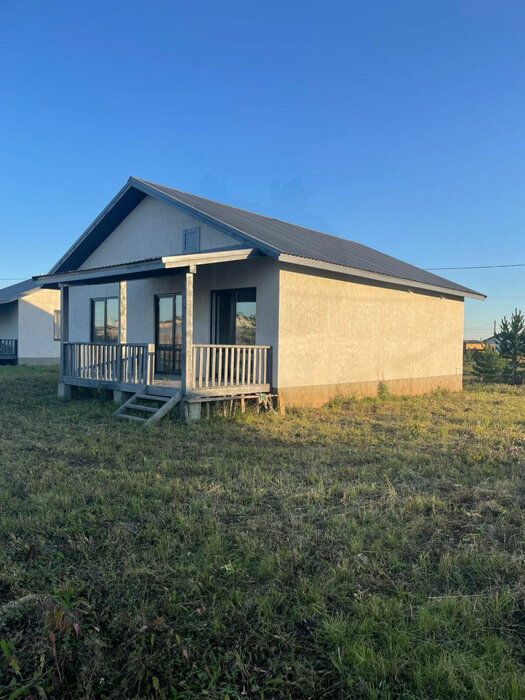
column 355, row 272
column 216, row 256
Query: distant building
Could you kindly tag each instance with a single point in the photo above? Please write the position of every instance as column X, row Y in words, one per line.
column 473, row 345
column 29, row 324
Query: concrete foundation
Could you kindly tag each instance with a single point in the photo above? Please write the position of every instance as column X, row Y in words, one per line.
column 320, row 395
column 192, row 411
column 67, row 391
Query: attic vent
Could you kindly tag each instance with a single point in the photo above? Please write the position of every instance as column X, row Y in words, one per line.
column 192, row 242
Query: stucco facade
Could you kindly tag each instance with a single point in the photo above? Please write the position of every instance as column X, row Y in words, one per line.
column 153, row 229
column 338, row 336
column 30, row 321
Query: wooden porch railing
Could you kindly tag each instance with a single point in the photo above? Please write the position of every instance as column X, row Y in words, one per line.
column 8, row 349
column 119, row 363
column 216, row 366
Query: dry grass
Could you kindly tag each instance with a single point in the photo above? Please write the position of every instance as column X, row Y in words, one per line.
column 370, row 549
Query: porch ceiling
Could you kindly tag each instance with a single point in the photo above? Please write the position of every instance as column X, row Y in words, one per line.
column 144, row 268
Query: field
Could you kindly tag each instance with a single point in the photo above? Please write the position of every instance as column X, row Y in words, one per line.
column 369, row 549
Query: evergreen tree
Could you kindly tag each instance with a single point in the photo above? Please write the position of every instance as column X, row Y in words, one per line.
column 511, row 339
column 488, row 365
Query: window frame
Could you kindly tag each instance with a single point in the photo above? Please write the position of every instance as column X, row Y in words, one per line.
column 106, row 340
column 213, row 324
column 57, row 324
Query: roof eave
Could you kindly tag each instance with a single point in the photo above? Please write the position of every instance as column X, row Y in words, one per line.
column 356, row 272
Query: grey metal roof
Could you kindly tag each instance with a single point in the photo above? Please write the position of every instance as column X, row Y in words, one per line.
column 15, row 291
column 273, row 236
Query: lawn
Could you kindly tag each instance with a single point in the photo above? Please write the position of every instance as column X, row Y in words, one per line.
column 368, row 549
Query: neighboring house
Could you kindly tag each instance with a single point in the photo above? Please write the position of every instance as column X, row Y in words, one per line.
column 493, row 341
column 29, row 324
column 221, row 301
column 473, row 345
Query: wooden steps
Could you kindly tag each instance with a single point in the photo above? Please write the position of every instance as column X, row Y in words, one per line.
column 157, row 408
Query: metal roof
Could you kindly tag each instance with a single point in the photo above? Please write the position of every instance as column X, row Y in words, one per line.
column 15, row 291
column 271, row 235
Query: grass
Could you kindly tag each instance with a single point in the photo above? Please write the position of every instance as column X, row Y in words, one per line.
column 369, row 549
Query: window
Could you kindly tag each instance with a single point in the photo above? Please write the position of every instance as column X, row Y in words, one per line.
column 56, row 324
column 234, row 316
column 104, row 320
column 192, row 242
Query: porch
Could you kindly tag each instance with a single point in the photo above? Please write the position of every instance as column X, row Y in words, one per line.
column 8, row 350
column 214, row 370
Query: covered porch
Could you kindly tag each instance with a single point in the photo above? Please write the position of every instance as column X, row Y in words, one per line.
column 177, row 360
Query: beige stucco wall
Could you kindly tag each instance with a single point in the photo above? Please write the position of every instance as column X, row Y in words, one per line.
column 153, row 229
column 9, row 321
column 338, row 336
column 36, row 329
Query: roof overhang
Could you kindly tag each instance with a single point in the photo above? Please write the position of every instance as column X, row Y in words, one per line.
column 16, row 295
column 355, row 272
column 144, row 268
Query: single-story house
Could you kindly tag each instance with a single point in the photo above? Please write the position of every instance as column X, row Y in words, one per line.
column 168, row 287
column 29, row 324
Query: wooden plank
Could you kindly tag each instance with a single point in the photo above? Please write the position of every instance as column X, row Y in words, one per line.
column 187, row 334
column 213, row 360
column 123, row 311
column 64, row 326
column 174, row 400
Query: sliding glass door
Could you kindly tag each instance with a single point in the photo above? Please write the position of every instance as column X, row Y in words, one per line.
column 168, row 333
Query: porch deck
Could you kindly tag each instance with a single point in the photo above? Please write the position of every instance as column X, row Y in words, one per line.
column 217, row 370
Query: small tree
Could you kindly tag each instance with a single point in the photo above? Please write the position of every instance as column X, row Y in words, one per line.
column 488, row 365
column 511, row 339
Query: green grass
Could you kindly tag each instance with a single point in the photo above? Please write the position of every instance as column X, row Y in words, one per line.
column 369, row 549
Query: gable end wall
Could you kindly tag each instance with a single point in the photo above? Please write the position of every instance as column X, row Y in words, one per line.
column 153, row 229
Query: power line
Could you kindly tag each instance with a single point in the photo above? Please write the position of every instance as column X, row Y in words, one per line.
column 475, row 267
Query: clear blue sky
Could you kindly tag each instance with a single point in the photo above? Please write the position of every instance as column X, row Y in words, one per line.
column 400, row 125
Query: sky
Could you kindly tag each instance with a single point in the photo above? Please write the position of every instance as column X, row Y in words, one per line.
column 397, row 124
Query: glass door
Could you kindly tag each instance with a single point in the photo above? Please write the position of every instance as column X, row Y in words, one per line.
column 168, row 333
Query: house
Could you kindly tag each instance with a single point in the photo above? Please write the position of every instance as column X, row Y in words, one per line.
column 167, row 291
column 473, row 345
column 29, row 324
column 493, row 341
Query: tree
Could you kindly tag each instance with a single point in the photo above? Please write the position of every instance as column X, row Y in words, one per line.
column 488, row 365
column 511, row 339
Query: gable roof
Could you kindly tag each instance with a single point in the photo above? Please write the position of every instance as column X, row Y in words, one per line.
column 274, row 237
column 15, row 291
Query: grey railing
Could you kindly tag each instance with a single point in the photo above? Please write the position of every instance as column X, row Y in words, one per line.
column 118, row 363
column 8, row 349
column 216, row 366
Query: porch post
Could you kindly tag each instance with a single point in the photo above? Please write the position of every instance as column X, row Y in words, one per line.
column 64, row 390
column 123, row 311
column 187, row 333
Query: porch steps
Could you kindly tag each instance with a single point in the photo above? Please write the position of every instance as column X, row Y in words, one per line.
column 161, row 406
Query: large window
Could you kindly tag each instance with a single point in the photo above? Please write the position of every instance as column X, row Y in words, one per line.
column 234, row 317
column 104, row 320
